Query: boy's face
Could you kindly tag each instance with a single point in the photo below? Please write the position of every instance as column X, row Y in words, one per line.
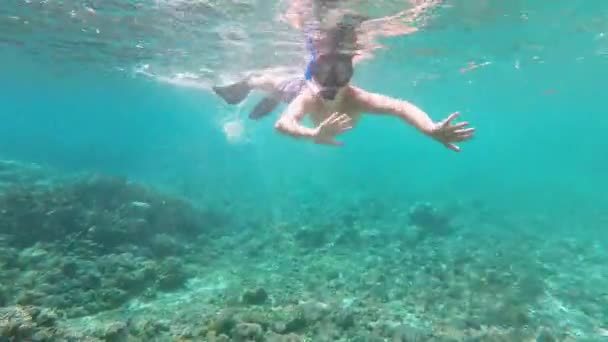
column 331, row 72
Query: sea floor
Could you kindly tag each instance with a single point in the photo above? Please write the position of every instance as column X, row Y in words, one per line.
column 428, row 278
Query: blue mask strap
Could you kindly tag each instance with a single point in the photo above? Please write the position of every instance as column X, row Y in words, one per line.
column 311, row 48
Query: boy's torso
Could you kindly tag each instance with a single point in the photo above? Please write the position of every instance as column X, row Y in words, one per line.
column 320, row 110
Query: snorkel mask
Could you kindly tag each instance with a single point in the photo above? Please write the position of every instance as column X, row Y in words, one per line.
column 331, row 64
column 331, row 72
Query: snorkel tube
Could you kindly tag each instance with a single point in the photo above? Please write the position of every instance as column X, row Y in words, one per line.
column 313, row 56
column 326, row 93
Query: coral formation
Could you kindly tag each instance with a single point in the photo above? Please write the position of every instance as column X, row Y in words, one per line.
column 425, row 216
column 87, row 244
column 94, row 258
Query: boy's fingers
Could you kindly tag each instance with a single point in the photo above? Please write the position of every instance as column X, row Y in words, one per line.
column 465, row 136
column 459, row 125
column 331, row 118
column 345, row 123
column 343, row 117
column 462, row 137
column 334, row 118
column 339, row 120
column 452, row 117
column 453, row 147
column 346, row 128
column 345, row 120
column 465, row 131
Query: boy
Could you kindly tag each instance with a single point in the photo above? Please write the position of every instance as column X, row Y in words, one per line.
column 335, row 106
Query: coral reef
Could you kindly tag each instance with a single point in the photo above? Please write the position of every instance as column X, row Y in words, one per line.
column 109, row 212
column 28, row 323
column 87, row 244
column 94, row 258
column 429, row 219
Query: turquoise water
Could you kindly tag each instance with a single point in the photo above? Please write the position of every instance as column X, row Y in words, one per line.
column 133, row 100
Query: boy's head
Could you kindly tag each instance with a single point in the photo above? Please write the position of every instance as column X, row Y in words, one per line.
column 338, row 32
column 331, row 72
column 332, row 67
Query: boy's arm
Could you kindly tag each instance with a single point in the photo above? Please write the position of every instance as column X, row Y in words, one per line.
column 325, row 133
column 290, row 121
column 381, row 104
column 443, row 131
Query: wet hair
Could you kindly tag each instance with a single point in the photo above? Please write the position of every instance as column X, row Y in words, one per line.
column 339, row 32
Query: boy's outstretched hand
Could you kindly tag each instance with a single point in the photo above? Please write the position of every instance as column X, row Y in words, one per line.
column 448, row 134
column 334, row 125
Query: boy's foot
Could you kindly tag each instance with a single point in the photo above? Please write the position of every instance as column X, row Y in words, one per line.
column 264, row 107
column 233, row 93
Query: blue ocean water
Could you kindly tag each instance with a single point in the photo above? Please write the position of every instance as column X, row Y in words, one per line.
column 539, row 125
column 80, row 101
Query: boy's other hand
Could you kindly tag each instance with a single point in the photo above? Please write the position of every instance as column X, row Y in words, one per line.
column 448, row 134
column 331, row 127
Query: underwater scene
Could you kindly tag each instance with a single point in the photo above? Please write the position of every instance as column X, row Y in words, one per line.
column 303, row 170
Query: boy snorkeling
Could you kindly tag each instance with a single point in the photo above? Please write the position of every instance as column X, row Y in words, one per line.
column 335, row 106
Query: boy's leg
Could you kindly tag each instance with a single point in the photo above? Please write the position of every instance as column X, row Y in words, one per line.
column 285, row 91
column 267, row 83
column 237, row 92
column 266, row 106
